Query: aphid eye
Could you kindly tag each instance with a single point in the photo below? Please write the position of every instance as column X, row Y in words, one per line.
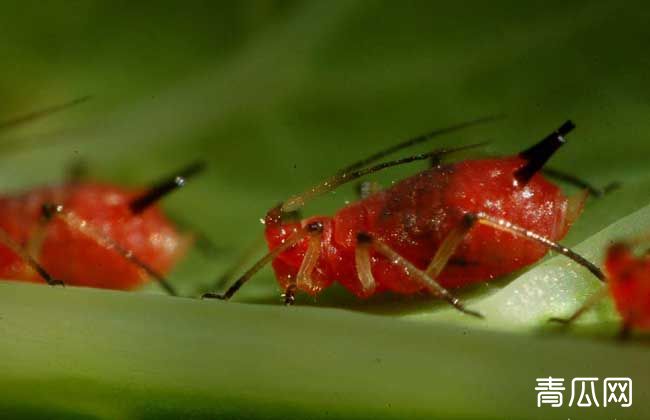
column 315, row 227
column 49, row 210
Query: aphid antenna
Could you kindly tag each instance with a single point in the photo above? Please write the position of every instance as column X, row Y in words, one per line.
column 298, row 201
column 590, row 303
column 538, row 154
column 267, row 258
column 34, row 115
column 422, row 138
column 241, row 262
column 165, row 186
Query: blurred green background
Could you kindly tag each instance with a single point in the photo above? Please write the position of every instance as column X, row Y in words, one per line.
column 276, row 95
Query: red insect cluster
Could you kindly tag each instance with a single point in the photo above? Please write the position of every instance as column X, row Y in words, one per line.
column 448, row 226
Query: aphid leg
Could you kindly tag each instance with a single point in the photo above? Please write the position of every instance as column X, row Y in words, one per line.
column 310, row 260
column 164, row 187
column 504, row 225
column 362, row 263
column 449, row 246
column 73, row 221
column 581, row 183
column 270, row 256
column 590, row 303
column 289, row 294
column 8, row 241
column 415, row 273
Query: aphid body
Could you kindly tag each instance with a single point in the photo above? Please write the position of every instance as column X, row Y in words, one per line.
column 448, row 226
column 77, row 256
column 414, row 217
column 87, row 233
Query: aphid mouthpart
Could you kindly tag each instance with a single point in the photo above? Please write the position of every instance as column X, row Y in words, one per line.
column 537, row 155
column 165, row 186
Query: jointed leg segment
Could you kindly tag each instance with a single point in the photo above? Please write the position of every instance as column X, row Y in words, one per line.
column 415, row 273
column 303, row 279
column 590, row 303
column 8, row 241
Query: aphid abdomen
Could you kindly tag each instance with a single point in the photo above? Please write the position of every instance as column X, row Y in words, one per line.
column 488, row 186
column 69, row 254
column 416, row 215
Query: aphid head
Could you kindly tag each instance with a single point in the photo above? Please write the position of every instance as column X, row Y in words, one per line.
column 537, row 155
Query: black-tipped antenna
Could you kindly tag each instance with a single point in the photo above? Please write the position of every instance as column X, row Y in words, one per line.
column 420, row 139
column 297, row 201
column 540, row 153
column 165, row 186
column 25, row 118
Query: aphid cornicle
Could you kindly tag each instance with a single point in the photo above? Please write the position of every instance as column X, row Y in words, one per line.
column 628, row 283
column 445, row 227
column 89, row 234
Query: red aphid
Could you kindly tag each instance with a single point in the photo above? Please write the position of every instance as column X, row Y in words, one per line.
column 628, row 277
column 95, row 235
column 415, row 215
column 448, row 226
column 76, row 258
